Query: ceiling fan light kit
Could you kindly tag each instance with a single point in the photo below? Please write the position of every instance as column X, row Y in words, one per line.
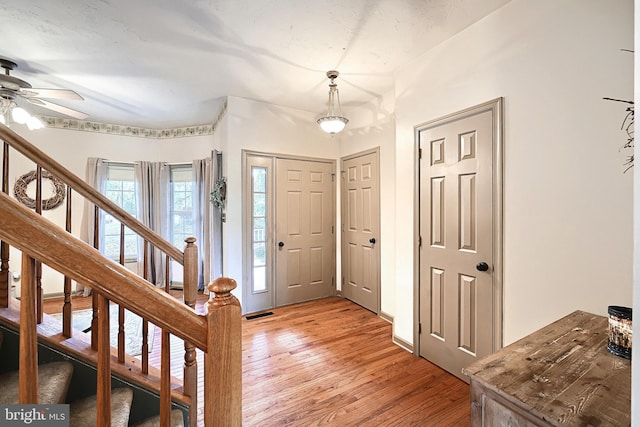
column 9, row 109
column 12, row 88
column 334, row 122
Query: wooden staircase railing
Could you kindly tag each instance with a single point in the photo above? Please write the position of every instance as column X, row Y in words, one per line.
column 217, row 333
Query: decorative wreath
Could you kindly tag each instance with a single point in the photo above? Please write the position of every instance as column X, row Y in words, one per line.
column 20, row 190
column 219, row 193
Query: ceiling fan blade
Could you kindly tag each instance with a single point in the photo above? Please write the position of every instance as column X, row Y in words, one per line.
column 51, row 93
column 35, row 101
column 58, row 108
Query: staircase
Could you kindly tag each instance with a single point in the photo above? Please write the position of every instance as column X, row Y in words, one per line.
column 60, row 382
column 118, row 379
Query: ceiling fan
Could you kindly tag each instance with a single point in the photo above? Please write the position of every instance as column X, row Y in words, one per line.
column 12, row 87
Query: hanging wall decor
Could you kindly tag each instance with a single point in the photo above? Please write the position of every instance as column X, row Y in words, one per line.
column 218, row 196
column 219, row 193
column 20, row 190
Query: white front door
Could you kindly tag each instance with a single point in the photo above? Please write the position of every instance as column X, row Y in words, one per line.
column 361, row 230
column 289, row 243
column 457, row 287
column 305, row 256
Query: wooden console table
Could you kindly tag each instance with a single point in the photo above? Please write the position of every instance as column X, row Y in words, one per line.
column 561, row 375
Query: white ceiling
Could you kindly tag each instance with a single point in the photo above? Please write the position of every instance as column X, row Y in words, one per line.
column 167, row 63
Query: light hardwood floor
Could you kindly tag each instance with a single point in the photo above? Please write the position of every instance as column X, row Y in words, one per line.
column 331, row 362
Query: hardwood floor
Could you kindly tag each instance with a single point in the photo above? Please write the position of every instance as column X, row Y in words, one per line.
column 331, row 362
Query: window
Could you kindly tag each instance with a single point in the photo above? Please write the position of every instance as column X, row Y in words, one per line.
column 181, row 214
column 120, row 189
column 181, row 203
column 259, row 228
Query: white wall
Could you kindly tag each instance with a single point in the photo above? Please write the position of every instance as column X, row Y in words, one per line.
column 567, row 203
column 261, row 127
column 72, row 148
column 370, row 126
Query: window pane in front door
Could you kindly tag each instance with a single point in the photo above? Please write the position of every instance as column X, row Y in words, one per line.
column 259, row 219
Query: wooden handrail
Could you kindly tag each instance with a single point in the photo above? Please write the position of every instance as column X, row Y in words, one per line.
column 87, row 191
column 50, row 244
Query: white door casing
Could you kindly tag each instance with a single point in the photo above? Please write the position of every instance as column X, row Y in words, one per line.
column 459, row 286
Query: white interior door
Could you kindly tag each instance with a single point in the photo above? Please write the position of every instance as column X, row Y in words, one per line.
column 361, row 230
column 305, row 254
column 457, row 289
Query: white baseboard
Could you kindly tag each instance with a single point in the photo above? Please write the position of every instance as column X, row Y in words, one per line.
column 403, row 344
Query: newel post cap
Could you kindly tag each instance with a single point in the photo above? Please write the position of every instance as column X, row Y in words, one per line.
column 220, row 290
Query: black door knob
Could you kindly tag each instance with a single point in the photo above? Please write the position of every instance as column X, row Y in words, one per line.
column 372, row 240
column 280, row 244
column 482, row 266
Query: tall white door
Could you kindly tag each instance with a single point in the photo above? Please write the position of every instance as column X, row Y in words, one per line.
column 361, row 230
column 305, row 260
column 457, row 293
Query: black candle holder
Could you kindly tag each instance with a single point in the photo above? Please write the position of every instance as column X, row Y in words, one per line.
column 620, row 331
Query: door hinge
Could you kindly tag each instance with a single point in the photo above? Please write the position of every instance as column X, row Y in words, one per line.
column 420, row 153
column 332, row 229
column 419, row 241
column 419, row 328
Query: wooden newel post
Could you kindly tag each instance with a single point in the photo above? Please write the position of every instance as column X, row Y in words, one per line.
column 28, row 375
column 5, row 283
column 223, row 360
column 190, row 294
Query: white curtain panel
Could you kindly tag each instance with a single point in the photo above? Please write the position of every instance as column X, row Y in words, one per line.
column 152, row 188
column 202, row 219
column 96, row 173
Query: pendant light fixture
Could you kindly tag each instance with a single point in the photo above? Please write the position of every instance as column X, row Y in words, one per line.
column 334, row 121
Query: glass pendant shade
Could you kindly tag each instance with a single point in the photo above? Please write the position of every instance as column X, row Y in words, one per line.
column 334, row 121
column 332, row 124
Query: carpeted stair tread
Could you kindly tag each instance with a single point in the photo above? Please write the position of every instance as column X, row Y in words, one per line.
column 53, row 383
column 177, row 420
column 83, row 411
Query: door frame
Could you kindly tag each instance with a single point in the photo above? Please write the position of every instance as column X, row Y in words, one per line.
column 496, row 108
column 271, row 234
column 343, row 257
column 247, row 242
